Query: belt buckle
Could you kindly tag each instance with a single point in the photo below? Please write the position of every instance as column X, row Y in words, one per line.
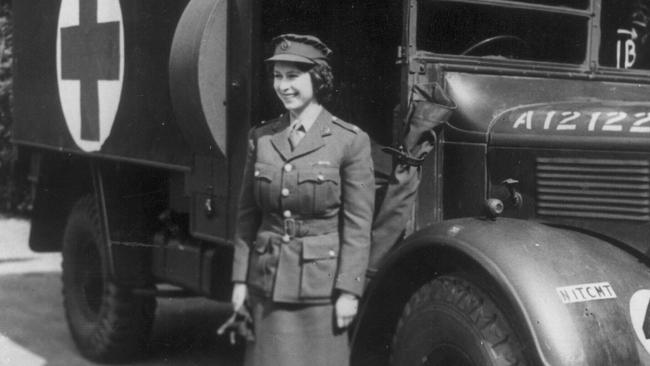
column 290, row 227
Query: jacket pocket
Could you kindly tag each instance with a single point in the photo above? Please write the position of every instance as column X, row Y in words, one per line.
column 319, row 265
column 263, row 262
column 263, row 183
column 319, row 190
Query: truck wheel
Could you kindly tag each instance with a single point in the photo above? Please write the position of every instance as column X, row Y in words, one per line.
column 450, row 321
column 107, row 322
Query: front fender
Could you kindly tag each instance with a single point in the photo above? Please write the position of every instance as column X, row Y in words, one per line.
column 532, row 263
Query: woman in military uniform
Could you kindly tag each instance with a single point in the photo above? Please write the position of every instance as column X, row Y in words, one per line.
column 305, row 213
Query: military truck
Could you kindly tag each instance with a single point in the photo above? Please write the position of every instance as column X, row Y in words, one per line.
column 512, row 232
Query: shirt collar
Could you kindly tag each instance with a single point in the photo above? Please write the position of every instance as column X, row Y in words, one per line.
column 307, row 118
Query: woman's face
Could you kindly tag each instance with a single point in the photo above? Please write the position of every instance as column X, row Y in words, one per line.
column 293, row 86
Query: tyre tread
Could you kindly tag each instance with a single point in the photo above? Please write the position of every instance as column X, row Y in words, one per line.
column 122, row 330
column 477, row 307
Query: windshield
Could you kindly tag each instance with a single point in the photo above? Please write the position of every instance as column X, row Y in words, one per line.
column 624, row 40
column 491, row 31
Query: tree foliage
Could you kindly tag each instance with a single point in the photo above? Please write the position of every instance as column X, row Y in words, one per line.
column 7, row 150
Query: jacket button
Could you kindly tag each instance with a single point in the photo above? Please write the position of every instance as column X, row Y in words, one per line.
column 320, row 177
column 288, row 167
column 285, row 192
column 286, row 214
column 332, row 253
column 286, row 238
column 257, row 173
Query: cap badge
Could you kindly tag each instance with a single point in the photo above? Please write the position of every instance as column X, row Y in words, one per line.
column 285, row 45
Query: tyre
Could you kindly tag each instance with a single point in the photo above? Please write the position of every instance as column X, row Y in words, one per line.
column 450, row 321
column 107, row 322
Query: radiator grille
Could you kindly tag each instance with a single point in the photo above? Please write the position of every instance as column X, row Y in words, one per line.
column 593, row 188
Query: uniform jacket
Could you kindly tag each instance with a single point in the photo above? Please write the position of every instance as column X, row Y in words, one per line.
column 305, row 215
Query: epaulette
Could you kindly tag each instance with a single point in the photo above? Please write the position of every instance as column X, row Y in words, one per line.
column 269, row 122
column 348, row 126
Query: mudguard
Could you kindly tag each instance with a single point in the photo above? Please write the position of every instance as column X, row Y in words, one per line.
column 576, row 294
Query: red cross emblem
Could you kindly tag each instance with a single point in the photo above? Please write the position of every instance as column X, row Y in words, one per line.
column 90, row 51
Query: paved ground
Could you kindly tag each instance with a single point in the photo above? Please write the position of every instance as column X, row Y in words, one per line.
column 33, row 331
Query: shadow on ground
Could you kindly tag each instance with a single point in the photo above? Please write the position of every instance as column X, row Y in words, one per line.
column 32, row 325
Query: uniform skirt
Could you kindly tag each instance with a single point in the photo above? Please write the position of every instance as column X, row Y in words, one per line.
column 295, row 335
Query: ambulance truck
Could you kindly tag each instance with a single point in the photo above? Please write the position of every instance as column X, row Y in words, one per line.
column 513, row 229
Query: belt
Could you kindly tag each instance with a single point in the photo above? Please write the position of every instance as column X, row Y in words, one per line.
column 296, row 228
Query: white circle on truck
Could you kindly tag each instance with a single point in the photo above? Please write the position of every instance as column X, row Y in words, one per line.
column 640, row 320
column 90, row 68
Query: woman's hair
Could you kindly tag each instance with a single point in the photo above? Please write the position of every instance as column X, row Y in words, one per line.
column 321, row 76
column 321, row 79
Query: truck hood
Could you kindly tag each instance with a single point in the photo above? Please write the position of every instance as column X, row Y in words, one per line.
column 600, row 125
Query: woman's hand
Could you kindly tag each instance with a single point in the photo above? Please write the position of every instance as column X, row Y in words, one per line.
column 346, row 309
column 239, row 292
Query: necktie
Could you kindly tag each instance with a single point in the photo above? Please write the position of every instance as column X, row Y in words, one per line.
column 296, row 134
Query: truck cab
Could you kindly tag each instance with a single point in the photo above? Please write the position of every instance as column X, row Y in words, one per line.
column 551, row 101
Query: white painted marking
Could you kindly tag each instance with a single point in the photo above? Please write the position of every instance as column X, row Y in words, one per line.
column 638, row 309
column 108, row 91
column 454, row 230
column 586, row 292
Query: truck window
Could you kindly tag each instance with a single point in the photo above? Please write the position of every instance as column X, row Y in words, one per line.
column 574, row 4
column 624, row 34
column 471, row 29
